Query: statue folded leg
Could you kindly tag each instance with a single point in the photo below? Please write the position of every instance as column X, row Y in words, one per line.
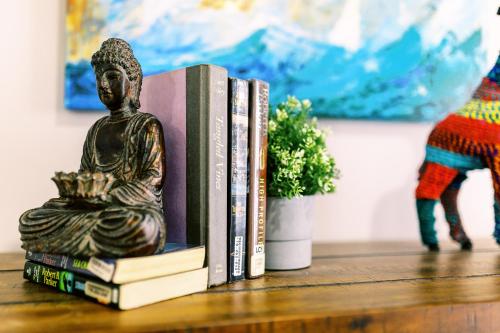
column 116, row 231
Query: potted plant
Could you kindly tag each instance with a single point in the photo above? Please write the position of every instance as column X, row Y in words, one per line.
column 299, row 167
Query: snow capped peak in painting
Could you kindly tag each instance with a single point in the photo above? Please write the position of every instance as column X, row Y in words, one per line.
column 377, row 59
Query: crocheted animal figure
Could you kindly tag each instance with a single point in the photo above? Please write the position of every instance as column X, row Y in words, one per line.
column 466, row 140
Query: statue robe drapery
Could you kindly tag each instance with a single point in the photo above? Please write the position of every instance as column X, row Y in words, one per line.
column 131, row 223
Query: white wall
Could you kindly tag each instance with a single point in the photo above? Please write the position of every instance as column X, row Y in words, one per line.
column 374, row 199
column 38, row 136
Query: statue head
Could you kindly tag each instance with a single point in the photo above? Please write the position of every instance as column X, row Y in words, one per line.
column 118, row 74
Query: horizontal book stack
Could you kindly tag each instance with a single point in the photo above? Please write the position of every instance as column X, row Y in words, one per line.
column 123, row 283
column 214, row 195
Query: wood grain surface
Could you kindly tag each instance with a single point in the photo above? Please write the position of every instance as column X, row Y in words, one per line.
column 355, row 287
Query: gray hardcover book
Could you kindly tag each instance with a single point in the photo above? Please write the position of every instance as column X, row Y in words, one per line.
column 207, row 128
column 257, row 168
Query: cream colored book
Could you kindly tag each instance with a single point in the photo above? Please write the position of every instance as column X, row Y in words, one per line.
column 175, row 258
column 124, row 296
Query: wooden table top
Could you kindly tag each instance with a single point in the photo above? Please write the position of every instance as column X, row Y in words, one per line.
column 354, row 287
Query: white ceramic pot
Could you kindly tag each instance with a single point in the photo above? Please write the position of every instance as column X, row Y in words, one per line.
column 289, row 232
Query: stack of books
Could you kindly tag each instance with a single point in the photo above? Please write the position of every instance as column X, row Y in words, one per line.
column 215, row 132
column 124, row 283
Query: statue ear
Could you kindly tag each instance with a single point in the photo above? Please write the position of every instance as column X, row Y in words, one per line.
column 134, row 93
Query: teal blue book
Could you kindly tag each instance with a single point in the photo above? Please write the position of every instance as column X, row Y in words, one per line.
column 175, row 258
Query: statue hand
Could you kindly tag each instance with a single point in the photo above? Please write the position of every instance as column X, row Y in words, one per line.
column 94, row 202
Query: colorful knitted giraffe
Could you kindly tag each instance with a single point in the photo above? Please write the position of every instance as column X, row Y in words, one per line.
column 466, row 140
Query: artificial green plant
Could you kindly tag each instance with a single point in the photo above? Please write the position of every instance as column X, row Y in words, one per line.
column 298, row 161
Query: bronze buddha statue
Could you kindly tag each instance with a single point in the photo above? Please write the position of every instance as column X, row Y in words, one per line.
column 126, row 149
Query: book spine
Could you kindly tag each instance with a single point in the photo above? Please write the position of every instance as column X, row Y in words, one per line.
column 257, row 165
column 71, row 283
column 76, row 265
column 207, row 165
column 237, row 178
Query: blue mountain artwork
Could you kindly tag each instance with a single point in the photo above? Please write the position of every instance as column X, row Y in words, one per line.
column 405, row 79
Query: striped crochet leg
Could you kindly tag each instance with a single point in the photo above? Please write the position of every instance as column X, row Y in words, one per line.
column 449, row 202
column 494, row 165
column 426, row 219
column 496, row 233
column 495, row 174
column 434, row 179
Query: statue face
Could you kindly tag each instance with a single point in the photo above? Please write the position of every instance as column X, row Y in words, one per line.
column 113, row 86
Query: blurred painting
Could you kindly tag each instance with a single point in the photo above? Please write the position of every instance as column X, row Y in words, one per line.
column 413, row 60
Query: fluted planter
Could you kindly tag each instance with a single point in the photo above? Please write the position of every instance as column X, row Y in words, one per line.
column 289, row 232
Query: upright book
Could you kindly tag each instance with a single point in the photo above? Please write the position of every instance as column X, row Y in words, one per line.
column 237, row 180
column 256, row 204
column 191, row 104
column 123, row 296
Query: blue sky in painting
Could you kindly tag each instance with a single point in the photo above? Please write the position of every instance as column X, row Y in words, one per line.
column 401, row 78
